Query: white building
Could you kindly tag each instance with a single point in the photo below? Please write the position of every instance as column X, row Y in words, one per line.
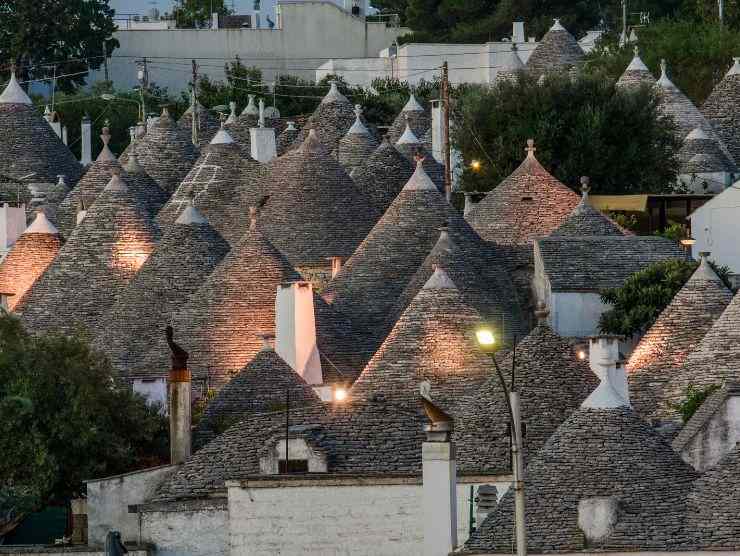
column 716, row 228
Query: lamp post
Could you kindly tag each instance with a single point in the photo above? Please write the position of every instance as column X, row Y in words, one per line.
column 110, row 98
column 489, row 344
column 687, row 244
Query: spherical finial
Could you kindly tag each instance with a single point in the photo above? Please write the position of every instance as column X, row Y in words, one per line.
column 636, row 50
column 585, row 184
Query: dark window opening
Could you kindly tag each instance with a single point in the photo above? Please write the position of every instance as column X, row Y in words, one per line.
column 527, row 199
column 294, row 466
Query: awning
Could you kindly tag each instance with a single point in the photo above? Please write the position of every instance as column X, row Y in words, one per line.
column 636, row 203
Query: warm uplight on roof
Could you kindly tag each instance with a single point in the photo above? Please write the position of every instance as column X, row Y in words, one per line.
column 475, row 165
column 581, row 353
column 340, row 394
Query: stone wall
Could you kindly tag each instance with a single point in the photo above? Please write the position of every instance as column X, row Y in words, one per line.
column 32, row 550
column 108, row 502
column 335, row 516
column 718, row 436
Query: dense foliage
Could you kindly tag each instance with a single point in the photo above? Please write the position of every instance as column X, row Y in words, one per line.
column 581, row 126
column 644, row 295
column 698, row 54
column 48, row 37
column 63, row 419
column 198, row 13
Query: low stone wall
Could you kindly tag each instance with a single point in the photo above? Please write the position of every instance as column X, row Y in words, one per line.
column 38, row 550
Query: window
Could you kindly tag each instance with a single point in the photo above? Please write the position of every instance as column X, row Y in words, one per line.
column 294, row 466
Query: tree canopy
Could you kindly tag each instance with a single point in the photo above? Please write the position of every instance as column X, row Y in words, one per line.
column 582, row 126
column 63, row 419
column 47, row 37
column 195, row 13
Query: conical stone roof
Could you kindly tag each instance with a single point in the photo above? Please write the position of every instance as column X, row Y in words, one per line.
column 188, row 252
column 674, row 335
column 314, row 210
column 558, row 50
column 722, row 109
column 101, row 256
column 166, row 152
column 27, row 260
column 413, row 114
column 713, row 507
column 674, row 103
column 715, row 360
column 217, row 324
column 84, row 193
column 357, row 145
column 331, row 120
column 636, row 75
column 28, row 143
column 287, row 138
column 260, row 387
column 585, row 220
column 367, row 286
column 597, row 455
column 706, row 146
column 529, row 203
column 222, row 185
column 208, row 124
column 144, row 186
column 411, row 147
column 382, row 176
column 552, row 383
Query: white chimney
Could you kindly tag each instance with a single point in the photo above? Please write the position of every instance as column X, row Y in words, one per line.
column 439, row 490
column 517, row 34
column 606, row 363
column 214, row 21
column 437, row 131
column 64, row 135
column 12, row 225
column 469, row 204
column 86, row 157
column 603, row 354
column 81, row 212
column 263, row 144
column 295, row 330
column 336, row 265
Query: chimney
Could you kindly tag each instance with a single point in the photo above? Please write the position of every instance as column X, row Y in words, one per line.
column 517, row 34
column 263, row 144
column 178, row 401
column 232, row 113
column 81, row 212
column 12, row 225
column 469, row 204
column 295, row 330
column 606, row 363
column 336, row 265
column 439, row 481
column 437, row 131
column 64, row 135
column 86, row 157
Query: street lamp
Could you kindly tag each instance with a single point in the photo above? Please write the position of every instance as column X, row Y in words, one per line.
column 687, row 243
column 488, row 343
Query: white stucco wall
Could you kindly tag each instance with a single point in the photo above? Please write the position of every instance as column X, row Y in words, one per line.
column 312, row 32
column 330, row 519
column 717, row 437
column 716, row 228
column 576, row 314
column 192, row 528
column 108, row 500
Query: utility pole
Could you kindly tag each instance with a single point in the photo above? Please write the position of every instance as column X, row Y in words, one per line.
column 624, row 20
column 195, row 118
column 446, row 130
column 143, row 75
column 105, row 62
column 721, row 12
column 518, row 457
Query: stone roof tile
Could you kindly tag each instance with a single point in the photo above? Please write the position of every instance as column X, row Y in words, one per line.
column 722, row 109
column 558, row 50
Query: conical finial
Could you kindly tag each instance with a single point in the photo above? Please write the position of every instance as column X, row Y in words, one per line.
column 291, row 127
column 530, row 148
column 585, row 187
column 663, row 68
column 252, row 218
column 61, row 181
column 541, row 313
column 358, row 111
column 165, row 113
column 132, row 164
column 105, row 136
column 268, row 339
column 419, row 158
column 636, row 50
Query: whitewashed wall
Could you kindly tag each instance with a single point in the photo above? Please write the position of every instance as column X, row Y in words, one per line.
column 190, row 528
column 314, row 517
column 716, row 228
column 108, row 500
column 716, row 438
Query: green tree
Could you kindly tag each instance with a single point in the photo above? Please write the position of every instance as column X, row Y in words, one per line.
column 198, row 13
column 698, row 54
column 644, row 295
column 693, row 400
column 64, row 418
column 48, row 37
column 581, row 126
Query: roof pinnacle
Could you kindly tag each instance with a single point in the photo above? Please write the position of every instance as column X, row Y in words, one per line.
column 541, row 313
column 252, row 218
column 530, row 148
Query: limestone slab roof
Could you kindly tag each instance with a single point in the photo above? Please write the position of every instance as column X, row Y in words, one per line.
column 260, row 387
column 27, row 260
column 713, row 507
column 411, row 147
column 331, row 120
column 529, row 203
column 592, row 264
column 222, row 184
column 382, row 176
column 596, row 453
column 208, row 124
column 314, row 210
column 30, row 146
column 166, row 152
column 716, row 358
column 178, row 266
column 585, row 220
column 144, row 186
column 675, row 334
column 101, row 256
column 415, row 115
column 368, row 285
column 558, row 50
column 674, row 103
column 702, row 151
column 636, row 75
column 287, row 138
column 709, row 407
column 356, row 146
column 722, row 109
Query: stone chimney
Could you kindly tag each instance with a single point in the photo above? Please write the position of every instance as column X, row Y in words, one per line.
column 439, row 480
column 468, row 203
column 295, row 330
column 179, row 402
column 86, row 139
column 607, row 364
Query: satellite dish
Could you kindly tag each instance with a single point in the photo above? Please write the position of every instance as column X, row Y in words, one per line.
column 272, row 112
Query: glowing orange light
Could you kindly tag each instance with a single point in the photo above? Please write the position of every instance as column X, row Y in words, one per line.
column 340, row 394
column 581, row 354
column 475, row 165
